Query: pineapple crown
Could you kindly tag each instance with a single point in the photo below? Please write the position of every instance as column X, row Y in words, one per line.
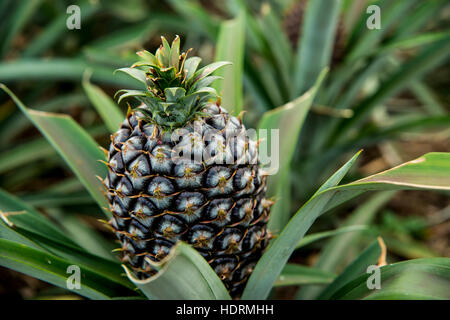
column 176, row 92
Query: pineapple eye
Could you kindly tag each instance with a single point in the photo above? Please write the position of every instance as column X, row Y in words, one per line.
column 140, row 166
column 132, row 148
column 244, row 271
column 161, row 192
column 189, row 200
column 242, row 178
column 169, row 227
column 215, row 174
column 217, row 211
column 120, row 136
column 201, row 236
column 217, row 121
column 124, row 187
column 116, row 163
column 150, row 130
column 225, row 267
column 253, row 239
column 161, row 159
column 229, row 239
column 159, row 248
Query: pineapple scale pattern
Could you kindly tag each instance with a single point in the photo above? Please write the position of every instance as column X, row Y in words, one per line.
column 218, row 208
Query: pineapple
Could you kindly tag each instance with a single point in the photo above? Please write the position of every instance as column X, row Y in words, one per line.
column 175, row 174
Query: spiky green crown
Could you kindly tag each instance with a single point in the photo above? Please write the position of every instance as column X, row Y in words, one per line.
column 176, row 91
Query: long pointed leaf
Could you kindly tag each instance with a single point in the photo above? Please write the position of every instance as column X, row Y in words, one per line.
column 74, row 145
column 288, row 119
column 184, row 274
column 230, row 47
column 431, row 171
column 52, row 269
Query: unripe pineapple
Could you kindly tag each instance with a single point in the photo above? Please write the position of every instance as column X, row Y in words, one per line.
column 174, row 173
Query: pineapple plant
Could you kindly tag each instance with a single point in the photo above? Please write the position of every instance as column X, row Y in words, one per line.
column 40, row 233
column 181, row 168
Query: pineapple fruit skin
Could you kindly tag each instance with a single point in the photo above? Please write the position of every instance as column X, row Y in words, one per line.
column 218, row 208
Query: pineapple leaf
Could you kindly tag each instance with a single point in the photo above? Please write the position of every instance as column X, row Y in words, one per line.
column 105, row 106
column 190, row 66
column 175, row 53
column 334, row 252
column 54, row 270
column 288, row 119
column 310, row 238
column 205, row 82
column 295, row 274
column 149, row 58
column 174, row 94
column 403, row 280
column 316, row 43
column 183, row 274
column 230, row 47
column 19, row 214
column 368, row 257
column 430, row 171
column 135, row 73
column 207, row 70
column 75, row 146
column 131, row 93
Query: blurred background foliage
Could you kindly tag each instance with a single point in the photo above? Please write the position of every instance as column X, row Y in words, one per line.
column 386, row 91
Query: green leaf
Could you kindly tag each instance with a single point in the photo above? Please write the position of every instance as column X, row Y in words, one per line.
column 288, row 119
column 24, row 153
column 21, row 223
column 428, row 59
column 335, row 251
column 316, row 43
column 310, row 238
column 405, row 246
column 273, row 260
column 197, row 17
column 86, row 236
column 207, row 70
column 416, row 279
column 16, row 123
column 368, row 39
column 184, row 274
column 54, row 270
column 17, row 20
column 359, row 266
column 24, row 216
column 278, row 49
column 428, row 98
column 74, row 145
column 430, row 171
column 57, row 27
column 106, row 267
column 230, row 47
column 33, row 150
column 62, row 69
column 135, row 73
column 295, row 274
column 191, row 65
column 411, row 42
column 105, row 106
